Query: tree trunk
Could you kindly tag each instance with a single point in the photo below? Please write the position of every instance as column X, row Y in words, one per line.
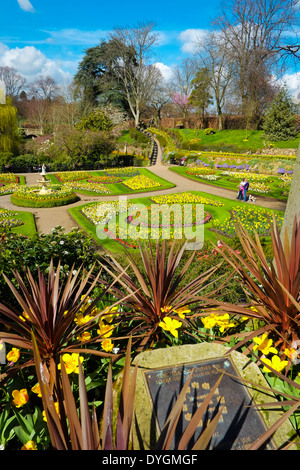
column 292, row 209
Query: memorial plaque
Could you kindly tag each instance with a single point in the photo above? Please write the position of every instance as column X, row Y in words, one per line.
column 239, row 425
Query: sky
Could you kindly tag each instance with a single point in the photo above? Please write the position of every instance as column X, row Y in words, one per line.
column 42, row 37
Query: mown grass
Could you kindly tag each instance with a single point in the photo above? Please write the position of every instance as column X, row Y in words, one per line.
column 230, row 140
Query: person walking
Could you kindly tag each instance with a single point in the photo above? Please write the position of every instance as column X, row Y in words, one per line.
column 246, row 187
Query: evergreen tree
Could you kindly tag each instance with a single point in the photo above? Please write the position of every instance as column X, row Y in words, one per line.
column 280, row 119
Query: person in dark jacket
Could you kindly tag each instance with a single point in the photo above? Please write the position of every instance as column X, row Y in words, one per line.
column 246, row 187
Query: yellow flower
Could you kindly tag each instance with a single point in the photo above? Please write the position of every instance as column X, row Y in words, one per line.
column 290, row 353
column 276, row 363
column 224, row 322
column 210, row 321
column 85, row 336
column 30, row 445
column 104, row 330
column 20, row 397
column 181, row 311
column 82, row 319
column 264, row 344
column 13, row 355
column 37, row 389
column 71, row 362
column 171, row 325
column 166, row 308
column 56, row 406
column 107, row 345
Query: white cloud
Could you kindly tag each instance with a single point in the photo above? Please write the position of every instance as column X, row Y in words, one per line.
column 26, row 5
column 31, row 62
column 165, row 70
column 189, row 38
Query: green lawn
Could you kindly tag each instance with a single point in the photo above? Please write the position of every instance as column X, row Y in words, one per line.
column 234, row 140
column 223, row 182
column 28, row 228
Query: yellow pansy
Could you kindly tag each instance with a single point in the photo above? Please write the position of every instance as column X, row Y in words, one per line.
column 104, row 330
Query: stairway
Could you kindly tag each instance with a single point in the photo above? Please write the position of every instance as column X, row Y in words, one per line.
column 154, row 151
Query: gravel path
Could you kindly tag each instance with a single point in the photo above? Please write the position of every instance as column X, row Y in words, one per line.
column 47, row 218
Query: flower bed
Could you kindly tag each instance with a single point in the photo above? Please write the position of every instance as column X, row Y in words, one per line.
column 141, row 182
column 237, row 176
column 9, row 178
column 95, row 212
column 252, row 218
column 82, row 186
column 185, row 198
column 30, row 196
column 8, row 220
column 122, row 172
column 67, row 176
column 260, row 188
column 106, row 179
column 8, row 188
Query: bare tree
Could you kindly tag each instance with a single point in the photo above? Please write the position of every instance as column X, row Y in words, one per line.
column 44, row 88
column 212, row 53
column 255, row 31
column 133, row 68
column 14, row 81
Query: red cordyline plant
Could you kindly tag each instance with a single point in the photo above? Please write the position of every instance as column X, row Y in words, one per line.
column 160, row 289
column 73, row 429
column 50, row 308
column 70, row 430
column 273, row 287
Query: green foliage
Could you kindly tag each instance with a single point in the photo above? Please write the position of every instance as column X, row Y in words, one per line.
column 280, row 119
column 17, row 252
column 9, row 136
column 97, row 120
column 209, row 131
column 80, row 146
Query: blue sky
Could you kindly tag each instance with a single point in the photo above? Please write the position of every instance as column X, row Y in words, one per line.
column 49, row 37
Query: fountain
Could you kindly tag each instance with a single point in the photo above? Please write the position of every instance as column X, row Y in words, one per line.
column 44, row 182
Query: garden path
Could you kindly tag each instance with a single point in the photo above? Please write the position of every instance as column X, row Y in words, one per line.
column 47, row 218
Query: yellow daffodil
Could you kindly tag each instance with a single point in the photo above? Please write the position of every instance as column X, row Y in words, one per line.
column 13, row 355
column 71, row 362
column 30, row 445
column 37, row 389
column 264, row 344
column 20, row 397
column 276, row 363
column 171, row 325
